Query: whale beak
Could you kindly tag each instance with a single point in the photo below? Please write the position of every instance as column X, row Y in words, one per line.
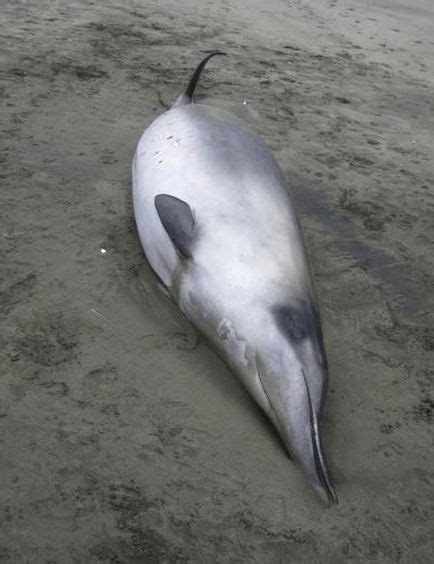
column 321, row 482
column 296, row 420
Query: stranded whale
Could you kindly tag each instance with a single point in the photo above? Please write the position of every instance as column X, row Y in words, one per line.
column 216, row 222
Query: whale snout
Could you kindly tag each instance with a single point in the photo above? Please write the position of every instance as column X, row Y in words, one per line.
column 292, row 369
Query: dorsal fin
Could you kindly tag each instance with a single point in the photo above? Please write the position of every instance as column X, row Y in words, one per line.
column 187, row 96
column 178, row 221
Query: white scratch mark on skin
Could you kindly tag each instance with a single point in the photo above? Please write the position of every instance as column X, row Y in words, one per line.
column 237, row 347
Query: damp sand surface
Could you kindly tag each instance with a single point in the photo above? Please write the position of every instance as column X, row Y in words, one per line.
column 123, row 436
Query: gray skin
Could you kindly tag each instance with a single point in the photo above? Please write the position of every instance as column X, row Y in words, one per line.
column 216, row 222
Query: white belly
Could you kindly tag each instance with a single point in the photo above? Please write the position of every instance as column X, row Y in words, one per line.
column 249, row 240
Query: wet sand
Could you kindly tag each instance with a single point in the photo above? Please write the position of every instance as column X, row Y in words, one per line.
column 123, row 436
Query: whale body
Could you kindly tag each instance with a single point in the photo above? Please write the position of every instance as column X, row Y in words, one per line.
column 217, row 224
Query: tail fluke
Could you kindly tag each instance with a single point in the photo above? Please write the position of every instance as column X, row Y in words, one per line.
column 187, row 96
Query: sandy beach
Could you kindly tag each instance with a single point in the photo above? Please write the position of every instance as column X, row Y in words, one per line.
column 123, row 436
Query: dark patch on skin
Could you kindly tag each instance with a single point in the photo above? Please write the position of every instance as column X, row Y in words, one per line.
column 298, row 320
column 292, row 322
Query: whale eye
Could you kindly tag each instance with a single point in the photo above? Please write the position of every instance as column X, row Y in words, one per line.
column 293, row 322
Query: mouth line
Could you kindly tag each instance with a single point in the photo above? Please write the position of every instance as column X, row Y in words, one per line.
column 317, row 450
